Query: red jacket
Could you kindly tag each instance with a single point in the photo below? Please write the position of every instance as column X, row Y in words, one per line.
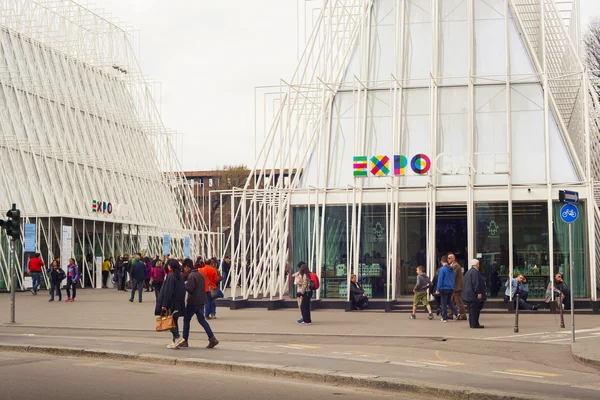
column 35, row 265
column 210, row 277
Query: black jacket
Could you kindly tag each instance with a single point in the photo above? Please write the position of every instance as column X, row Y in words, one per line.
column 138, row 271
column 195, row 288
column 474, row 284
column 172, row 295
column 57, row 275
column 356, row 292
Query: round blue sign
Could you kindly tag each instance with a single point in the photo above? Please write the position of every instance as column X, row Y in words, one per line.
column 569, row 213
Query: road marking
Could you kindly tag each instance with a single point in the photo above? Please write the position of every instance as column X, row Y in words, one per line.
column 427, row 363
column 405, row 364
column 522, row 371
column 437, row 353
column 515, row 374
column 569, row 338
column 513, row 336
column 290, row 347
column 583, row 330
column 303, row 346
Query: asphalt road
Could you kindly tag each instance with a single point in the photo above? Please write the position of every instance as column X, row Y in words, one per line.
column 29, row 376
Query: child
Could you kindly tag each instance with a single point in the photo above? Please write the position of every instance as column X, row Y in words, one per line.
column 420, row 292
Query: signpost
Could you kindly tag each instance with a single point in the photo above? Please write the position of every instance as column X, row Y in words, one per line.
column 569, row 214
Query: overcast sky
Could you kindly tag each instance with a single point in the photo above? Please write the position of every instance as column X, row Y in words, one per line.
column 209, row 56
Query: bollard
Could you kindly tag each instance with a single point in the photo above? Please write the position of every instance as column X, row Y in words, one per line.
column 560, row 308
column 517, row 313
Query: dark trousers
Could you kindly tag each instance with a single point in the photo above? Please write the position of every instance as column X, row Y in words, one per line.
column 210, row 308
column 71, row 285
column 175, row 331
column 36, row 280
column 157, row 287
column 139, row 286
column 198, row 311
column 55, row 286
column 305, row 307
column 474, row 312
column 104, row 278
column 523, row 301
column 446, row 298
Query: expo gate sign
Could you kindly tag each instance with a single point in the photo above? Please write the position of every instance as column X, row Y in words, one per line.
column 381, row 166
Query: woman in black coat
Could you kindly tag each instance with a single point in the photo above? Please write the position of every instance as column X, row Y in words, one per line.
column 172, row 299
column 358, row 297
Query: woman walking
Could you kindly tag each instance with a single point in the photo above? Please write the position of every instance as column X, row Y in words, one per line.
column 119, row 273
column 72, row 279
column 305, row 292
column 172, row 299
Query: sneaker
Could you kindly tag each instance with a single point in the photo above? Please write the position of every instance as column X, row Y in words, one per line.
column 412, row 316
column 131, row 300
column 32, row 291
column 438, row 312
column 212, row 342
column 213, row 317
column 430, row 316
column 68, row 300
column 300, row 320
column 307, row 323
column 52, row 300
column 535, row 308
column 176, row 343
column 184, row 344
column 444, row 320
column 208, row 317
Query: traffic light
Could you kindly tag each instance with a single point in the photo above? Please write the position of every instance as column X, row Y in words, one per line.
column 13, row 224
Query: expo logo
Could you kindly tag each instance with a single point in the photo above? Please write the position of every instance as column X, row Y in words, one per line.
column 380, row 165
column 102, row 207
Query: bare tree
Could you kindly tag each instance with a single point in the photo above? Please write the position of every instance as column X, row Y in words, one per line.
column 229, row 177
column 591, row 42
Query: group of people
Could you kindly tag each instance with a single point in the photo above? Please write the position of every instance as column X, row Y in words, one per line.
column 152, row 275
column 56, row 276
column 181, row 278
column 452, row 289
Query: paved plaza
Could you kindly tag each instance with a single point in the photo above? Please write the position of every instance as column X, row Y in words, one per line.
column 373, row 346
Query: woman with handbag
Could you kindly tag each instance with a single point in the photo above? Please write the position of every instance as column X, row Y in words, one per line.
column 171, row 300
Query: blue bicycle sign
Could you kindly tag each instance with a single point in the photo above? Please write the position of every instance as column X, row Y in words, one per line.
column 569, row 213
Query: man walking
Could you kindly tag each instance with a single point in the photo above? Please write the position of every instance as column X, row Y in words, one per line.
column 225, row 267
column 196, row 299
column 35, row 266
column 445, row 288
column 138, row 276
column 474, row 294
column 458, row 287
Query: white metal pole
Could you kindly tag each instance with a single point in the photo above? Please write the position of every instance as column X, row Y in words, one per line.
column 571, row 282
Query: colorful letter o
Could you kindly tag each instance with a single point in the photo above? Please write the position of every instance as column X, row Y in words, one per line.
column 109, row 208
column 420, row 164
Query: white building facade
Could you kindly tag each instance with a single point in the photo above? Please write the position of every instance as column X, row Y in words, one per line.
column 84, row 154
column 423, row 127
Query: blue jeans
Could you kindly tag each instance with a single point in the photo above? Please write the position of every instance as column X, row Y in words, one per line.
column 190, row 311
column 175, row 331
column 523, row 301
column 139, row 286
column 210, row 309
column 446, row 297
column 53, row 287
column 35, row 278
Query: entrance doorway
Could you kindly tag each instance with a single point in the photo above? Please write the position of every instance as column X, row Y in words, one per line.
column 451, row 232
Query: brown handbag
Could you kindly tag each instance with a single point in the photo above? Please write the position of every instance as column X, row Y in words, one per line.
column 165, row 322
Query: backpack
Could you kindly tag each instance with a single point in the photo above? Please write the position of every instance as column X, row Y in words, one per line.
column 158, row 274
column 61, row 275
column 314, row 282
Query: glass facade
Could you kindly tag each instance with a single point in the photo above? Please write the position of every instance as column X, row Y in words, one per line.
column 491, row 233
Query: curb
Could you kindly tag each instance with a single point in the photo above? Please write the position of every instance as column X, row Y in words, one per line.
column 590, row 362
column 279, row 371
